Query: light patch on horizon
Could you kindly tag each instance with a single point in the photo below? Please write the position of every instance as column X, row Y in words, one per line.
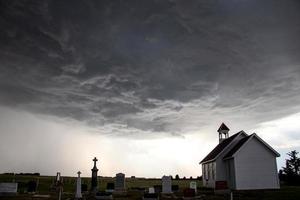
column 53, row 144
column 283, row 134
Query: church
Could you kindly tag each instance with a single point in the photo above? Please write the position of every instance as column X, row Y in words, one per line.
column 241, row 162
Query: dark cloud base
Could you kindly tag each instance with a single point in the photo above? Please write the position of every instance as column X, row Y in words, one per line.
column 151, row 66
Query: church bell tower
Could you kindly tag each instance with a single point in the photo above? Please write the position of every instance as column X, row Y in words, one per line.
column 223, row 132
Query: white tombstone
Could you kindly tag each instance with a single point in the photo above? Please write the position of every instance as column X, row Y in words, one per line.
column 193, row 185
column 78, row 194
column 166, row 184
column 151, row 190
column 8, row 189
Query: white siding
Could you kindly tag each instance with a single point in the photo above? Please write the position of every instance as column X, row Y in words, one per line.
column 209, row 174
column 255, row 167
column 230, row 173
column 221, row 174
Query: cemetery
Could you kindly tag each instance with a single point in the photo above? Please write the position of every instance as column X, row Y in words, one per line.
column 120, row 187
column 210, row 186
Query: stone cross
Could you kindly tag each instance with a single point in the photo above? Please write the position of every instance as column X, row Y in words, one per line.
column 94, row 176
column 95, row 160
column 78, row 194
column 57, row 177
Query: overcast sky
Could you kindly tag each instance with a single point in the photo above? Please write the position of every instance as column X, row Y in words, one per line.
column 144, row 85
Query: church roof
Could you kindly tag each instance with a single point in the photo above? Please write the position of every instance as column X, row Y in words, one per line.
column 237, row 147
column 223, row 127
column 243, row 141
column 219, row 148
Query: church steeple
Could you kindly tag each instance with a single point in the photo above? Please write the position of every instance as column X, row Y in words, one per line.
column 223, row 132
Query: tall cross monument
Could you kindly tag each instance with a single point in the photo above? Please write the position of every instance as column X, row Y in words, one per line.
column 94, row 176
column 78, row 194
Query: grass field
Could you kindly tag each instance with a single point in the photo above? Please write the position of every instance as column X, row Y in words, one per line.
column 135, row 188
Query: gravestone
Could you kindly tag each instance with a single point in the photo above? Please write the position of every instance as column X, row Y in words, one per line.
column 120, row 182
column 94, row 176
column 193, row 185
column 188, row 192
column 78, row 194
column 31, row 186
column 59, row 185
column 7, row 189
column 57, row 179
column 151, row 190
column 166, row 184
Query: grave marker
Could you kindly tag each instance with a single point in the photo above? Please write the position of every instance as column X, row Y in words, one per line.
column 151, row 190
column 78, row 194
column 120, row 182
column 7, row 189
column 166, row 184
column 94, row 176
column 193, row 185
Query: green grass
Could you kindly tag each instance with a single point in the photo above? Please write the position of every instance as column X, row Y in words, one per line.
column 45, row 182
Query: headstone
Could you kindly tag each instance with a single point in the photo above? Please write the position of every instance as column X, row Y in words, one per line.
column 110, row 187
column 120, row 182
column 151, row 190
column 57, row 179
column 31, row 186
column 7, row 189
column 78, row 194
column 94, row 176
column 59, row 185
column 188, row 192
column 166, row 184
column 193, row 185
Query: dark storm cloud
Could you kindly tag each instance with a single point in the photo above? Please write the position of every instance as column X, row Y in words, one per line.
column 153, row 66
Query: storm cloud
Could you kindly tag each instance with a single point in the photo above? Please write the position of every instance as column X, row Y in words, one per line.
column 151, row 68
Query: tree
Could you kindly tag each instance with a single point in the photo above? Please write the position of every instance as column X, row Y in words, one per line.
column 177, row 177
column 292, row 166
column 291, row 172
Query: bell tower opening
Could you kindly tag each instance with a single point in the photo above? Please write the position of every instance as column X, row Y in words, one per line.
column 223, row 132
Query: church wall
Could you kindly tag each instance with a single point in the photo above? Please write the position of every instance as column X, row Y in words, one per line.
column 255, row 167
column 221, row 164
column 209, row 174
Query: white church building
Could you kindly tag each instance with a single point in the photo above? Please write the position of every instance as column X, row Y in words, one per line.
column 242, row 162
